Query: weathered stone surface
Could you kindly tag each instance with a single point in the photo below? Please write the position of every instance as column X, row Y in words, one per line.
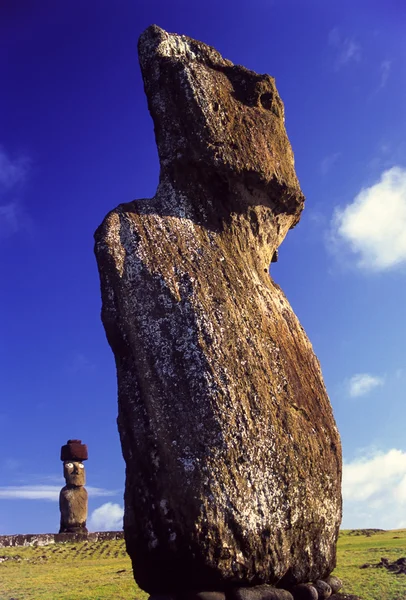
column 304, row 591
column 335, row 583
column 44, row 539
column 324, row 591
column 73, row 506
column 201, row 596
column 259, row 592
column 397, row 567
column 74, row 450
column 73, row 499
column 233, row 459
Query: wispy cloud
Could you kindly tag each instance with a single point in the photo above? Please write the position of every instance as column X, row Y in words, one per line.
column 79, row 363
column 13, row 218
column 328, row 162
column 373, row 225
column 317, row 218
column 374, row 490
column 363, row 383
column 35, row 478
column 13, row 174
column 347, row 50
column 400, row 373
column 11, row 464
column 108, row 517
column 385, row 68
column 44, row 492
column 385, row 155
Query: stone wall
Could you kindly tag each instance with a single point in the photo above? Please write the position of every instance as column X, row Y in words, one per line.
column 44, row 539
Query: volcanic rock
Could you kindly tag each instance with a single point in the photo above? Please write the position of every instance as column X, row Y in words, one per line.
column 397, row 567
column 73, row 498
column 259, row 592
column 74, row 450
column 304, row 591
column 202, row 596
column 335, row 583
column 324, row 591
column 233, row 459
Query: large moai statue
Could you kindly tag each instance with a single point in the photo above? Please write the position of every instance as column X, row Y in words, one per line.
column 233, row 458
column 73, row 496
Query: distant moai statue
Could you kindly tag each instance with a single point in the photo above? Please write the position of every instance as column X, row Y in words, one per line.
column 73, row 497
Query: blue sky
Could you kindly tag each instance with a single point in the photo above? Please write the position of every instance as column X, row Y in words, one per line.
column 76, row 139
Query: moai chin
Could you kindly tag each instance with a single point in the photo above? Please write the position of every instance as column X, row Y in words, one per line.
column 73, row 496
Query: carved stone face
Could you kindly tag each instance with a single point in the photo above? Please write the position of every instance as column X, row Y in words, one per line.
column 210, row 112
column 74, row 473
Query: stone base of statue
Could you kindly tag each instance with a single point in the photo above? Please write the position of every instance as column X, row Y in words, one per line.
column 317, row 590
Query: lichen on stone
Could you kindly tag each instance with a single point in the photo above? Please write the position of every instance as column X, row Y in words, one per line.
column 233, row 458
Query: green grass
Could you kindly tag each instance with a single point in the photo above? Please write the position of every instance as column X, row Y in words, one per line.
column 82, row 571
column 102, row 570
column 371, row 584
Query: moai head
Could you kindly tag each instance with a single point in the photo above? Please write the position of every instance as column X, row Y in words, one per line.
column 74, row 473
column 73, row 454
column 215, row 114
column 221, row 128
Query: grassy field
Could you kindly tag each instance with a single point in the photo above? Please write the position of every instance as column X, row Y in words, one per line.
column 102, row 570
column 83, row 571
column 357, row 548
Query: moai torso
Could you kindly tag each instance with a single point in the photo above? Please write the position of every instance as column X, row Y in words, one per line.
column 233, row 458
column 73, row 496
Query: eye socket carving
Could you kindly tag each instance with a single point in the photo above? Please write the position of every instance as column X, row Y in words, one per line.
column 266, row 100
column 81, row 466
column 69, row 465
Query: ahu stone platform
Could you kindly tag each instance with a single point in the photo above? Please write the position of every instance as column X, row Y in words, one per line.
column 44, row 539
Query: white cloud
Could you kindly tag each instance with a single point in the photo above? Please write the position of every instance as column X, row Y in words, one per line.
column 374, row 491
column 44, row 492
column 108, row 517
column 347, row 49
column 363, row 383
column 30, row 492
column 373, row 226
column 35, row 478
